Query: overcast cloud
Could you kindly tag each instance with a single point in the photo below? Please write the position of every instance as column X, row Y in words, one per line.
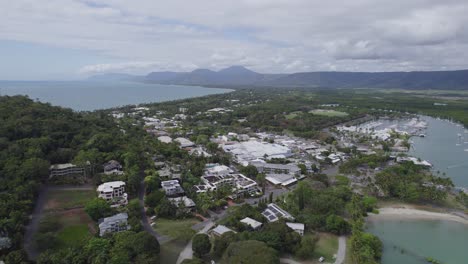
column 265, row 35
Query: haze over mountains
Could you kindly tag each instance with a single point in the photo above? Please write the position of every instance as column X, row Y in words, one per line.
column 240, row 76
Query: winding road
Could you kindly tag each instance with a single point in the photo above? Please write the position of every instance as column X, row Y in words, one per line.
column 340, row 255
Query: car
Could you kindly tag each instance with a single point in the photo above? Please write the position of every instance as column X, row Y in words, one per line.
column 321, row 259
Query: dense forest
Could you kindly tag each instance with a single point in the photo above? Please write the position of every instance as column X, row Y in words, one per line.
column 33, row 136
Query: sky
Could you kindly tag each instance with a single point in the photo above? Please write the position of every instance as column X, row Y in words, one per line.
column 73, row 39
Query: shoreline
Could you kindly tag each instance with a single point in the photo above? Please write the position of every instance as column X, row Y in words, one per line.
column 405, row 213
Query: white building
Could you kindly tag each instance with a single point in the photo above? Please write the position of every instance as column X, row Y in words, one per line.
column 273, row 213
column 113, row 192
column 297, row 227
column 252, row 223
column 184, row 143
column 67, row 169
column 272, row 168
column 165, row 139
column 244, row 152
column 113, row 224
column 187, row 202
column 220, row 230
column 172, row 187
column 281, row 179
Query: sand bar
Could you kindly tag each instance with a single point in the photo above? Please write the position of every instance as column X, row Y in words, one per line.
column 410, row 213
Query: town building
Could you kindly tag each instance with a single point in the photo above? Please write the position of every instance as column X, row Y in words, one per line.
column 113, row 224
column 68, row 169
column 172, row 188
column 184, row 143
column 113, row 192
column 273, row 213
column 165, row 139
column 254, row 224
column 220, row 230
column 281, row 179
column 297, row 227
column 244, row 152
column 272, row 168
column 112, row 167
column 187, row 203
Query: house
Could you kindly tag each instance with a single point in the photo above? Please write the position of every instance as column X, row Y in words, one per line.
column 172, row 187
column 240, row 183
column 184, row 143
column 68, row 169
column 252, row 223
column 281, row 179
column 112, row 167
column 297, row 227
column 188, row 203
column 220, row 230
column 113, row 192
column 264, row 167
column 216, row 169
column 113, row 224
column 273, row 213
column 165, row 139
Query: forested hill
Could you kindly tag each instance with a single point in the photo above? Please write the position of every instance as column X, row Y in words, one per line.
column 240, row 76
column 34, row 135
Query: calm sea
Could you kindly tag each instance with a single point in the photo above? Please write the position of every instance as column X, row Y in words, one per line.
column 88, row 96
column 411, row 241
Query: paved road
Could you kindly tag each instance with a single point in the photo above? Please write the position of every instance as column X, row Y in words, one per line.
column 340, row 256
column 289, row 261
column 144, row 219
column 187, row 252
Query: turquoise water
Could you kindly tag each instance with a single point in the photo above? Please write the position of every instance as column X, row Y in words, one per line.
column 446, row 147
column 88, row 96
column 411, row 241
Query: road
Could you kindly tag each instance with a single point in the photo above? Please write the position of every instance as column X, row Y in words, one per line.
column 144, row 219
column 33, row 225
column 340, row 255
column 187, row 252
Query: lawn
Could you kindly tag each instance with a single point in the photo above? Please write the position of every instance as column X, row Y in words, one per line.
column 68, row 199
column 326, row 247
column 293, row 115
column 180, row 230
column 73, row 235
column 330, row 113
column 170, row 251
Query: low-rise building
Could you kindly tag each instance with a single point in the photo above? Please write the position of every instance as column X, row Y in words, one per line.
column 220, row 230
column 112, row 167
column 187, row 203
column 273, row 213
column 113, row 224
column 172, row 188
column 254, row 224
column 297, row 227
column 272, row 168
column 281, row 179
column 113, row 192
column 165, row 139
column 184, row 143
column 68, row 169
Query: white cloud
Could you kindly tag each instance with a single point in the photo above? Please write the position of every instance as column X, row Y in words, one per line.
column 265, row 35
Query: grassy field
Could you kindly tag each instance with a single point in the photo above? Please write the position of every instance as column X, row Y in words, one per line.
column 73, row 235
column 180, row 230
column 326, row 247
column 68, row 199
column 170, row 251
column 330, row 113
column 293, row 115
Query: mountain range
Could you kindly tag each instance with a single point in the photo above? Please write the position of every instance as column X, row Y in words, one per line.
column 239, row 76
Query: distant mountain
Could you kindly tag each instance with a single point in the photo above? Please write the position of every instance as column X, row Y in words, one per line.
column 240, row 76
column 114, row 77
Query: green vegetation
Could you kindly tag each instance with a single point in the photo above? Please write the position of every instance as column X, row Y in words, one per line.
column 68, row 199
column 98, row 208
column 73, row 235
column 326, row 246
column 178, row 229
column 330, row 113
column 250, row 251
column 201, row 245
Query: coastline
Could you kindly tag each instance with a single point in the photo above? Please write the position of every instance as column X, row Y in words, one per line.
column 405, row 213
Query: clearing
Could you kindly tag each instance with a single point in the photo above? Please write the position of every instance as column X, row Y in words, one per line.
column 330, row 113
column 180, row 230
column 67, row 199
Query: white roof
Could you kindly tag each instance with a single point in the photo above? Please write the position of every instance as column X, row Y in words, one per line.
column 274, row 212
column 109, row 186
column 283, row 179
column 251, row 222
column 184, row 142
column 165, row 139
column 220, row 229
column 62, row 166
column 187, row 201
column 296, row 226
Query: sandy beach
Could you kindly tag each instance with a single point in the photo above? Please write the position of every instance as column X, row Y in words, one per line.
column 410, row 213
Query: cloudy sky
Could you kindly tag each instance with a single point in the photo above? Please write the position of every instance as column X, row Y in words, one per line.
column 60, row 39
